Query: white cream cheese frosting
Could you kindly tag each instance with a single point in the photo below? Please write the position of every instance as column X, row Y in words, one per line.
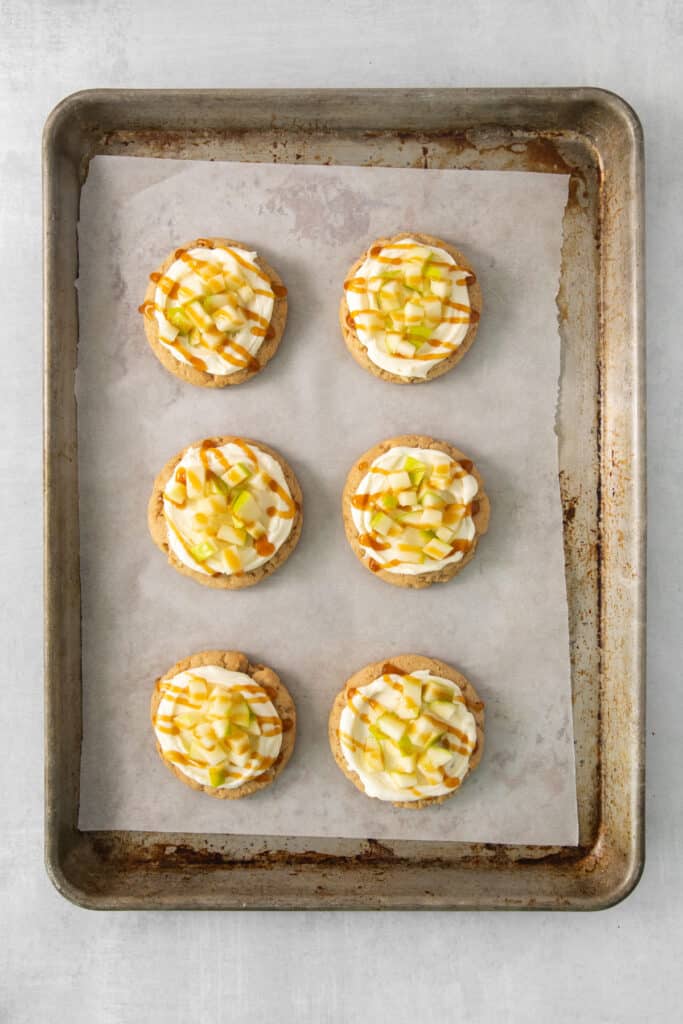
column 218, row 727
column 410, row 306
column 227, row 509
column 408, row 737
column 213, row 308
column 413, row 510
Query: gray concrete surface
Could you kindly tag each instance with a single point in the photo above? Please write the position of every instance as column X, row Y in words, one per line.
column 58, row 963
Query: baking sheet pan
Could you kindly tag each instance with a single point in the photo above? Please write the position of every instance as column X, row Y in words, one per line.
column 586, row 133
column 503, row 622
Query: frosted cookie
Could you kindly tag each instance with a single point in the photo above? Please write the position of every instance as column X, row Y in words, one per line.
column 214, row 312
column 410, row 308
column 414, row 510
column 226, row 511
column 407, row 731
column 223, row 726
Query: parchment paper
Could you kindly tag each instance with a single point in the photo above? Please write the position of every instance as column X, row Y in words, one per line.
column 503, row 621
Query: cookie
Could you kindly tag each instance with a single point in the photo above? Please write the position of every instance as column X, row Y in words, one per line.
column 222, row 725
column 414, row 510
column 410, row 309
column 408, row 730
column 226, row 511
column 214, row 312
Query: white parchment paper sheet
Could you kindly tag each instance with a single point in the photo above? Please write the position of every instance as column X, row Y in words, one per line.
column 503, row 622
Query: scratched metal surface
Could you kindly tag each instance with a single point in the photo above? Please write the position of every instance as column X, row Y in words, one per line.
column 596, row 138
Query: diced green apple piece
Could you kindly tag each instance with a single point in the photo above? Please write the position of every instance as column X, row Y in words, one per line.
column 240, row 714
column 436, row 757
column 221, row 728
column 410, row 463
column 412, row 693
column 419, row 254
column 215, row 282
column 373, row 755
column 407, row 498
column 214, row 504
column 388, row 501
column 216, row 755
column 444, row 534
column 195, row 481
column 431, row 517
column 216, row 776
column 381, row 523
column 198, row 753
column 432, row 308
column 201, row 552
column 436, row 691
column 392, row 726
column 443, row 709
column 436, row 549
column 213, row 302
column 389, row 699
column 416, row 476
column 188, row 719
column 176, row 492
column 245, row 507
column 256, row 530
column 238, row 742
column 246, row 294
column 422, row 731
column 231, row 535
column 374, row 761
column 186, row 737
column 395, row 761
column 197, row 688
column 406, row 348
column 419, row 332
column 433, row 273
column 253, row 727
column 197, row 315
column 442, row 469
column 374, row 284
column 219, row 703
column 388, row 302
column 398, row 481
column 179, row 318
column 413, row 311
column 392, row 339
column 432, row 499
column 441, row 289
column 236, row 474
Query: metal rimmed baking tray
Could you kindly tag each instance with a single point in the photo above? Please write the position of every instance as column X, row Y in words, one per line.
column 596, row 138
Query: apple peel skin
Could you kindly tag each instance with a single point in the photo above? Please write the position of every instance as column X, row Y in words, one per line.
column 265, row 351
column 358, row 349
column 407, row 663
column 279, row 696
column 356, row 474
column 223, row 581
